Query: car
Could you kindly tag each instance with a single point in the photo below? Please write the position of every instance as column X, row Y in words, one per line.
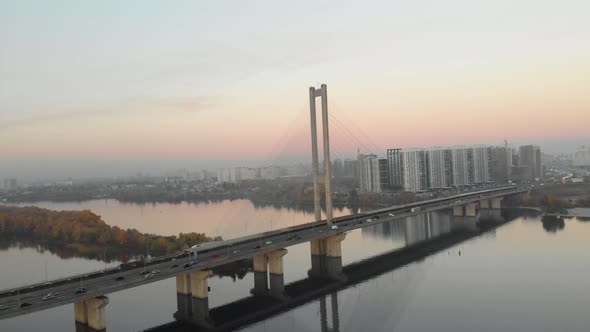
column 268, row 242
column 147, row 275
column 49, row 296
column 174, row 266
column 186, row 265
column 155, row 271
column 391, row 214
column 81, row 290
column 174, row 259
column 376, row 218
column 119, row 278
column 334, row 227
column 215, row 256
column 25, row 304
column 195, row 262
column 3, row 307
column 144, row 272
column 369, row 220
column 257, row 246
column 320, row 231
column 236, row 252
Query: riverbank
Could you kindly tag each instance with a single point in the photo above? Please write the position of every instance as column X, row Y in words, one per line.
column 84, row 233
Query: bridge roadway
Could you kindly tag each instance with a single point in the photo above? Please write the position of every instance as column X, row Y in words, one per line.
column 113, row 280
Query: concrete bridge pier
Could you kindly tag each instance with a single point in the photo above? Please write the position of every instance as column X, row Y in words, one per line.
column 334, row 256
column 458, row 210
column 470, row 210
column 183, row 295
column 259, row 265
column 318, row 258
column 199, row 281
column 484, row 204
column 276, row 276
column 326, row 258
column 90, row 314
column 497, row 203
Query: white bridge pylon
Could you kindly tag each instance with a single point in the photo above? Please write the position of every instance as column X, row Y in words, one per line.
column 322, row 92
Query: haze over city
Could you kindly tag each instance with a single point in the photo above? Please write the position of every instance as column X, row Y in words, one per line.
column 129, row 84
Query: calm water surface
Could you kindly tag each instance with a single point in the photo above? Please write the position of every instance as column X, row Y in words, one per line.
column 524, row 276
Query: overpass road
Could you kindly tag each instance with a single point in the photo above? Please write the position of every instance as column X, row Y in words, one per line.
column 16, row 302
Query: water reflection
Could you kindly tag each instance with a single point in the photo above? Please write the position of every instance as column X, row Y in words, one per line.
column 414, row 229
column 553, row 224
column 335, row 319
column 442, row 292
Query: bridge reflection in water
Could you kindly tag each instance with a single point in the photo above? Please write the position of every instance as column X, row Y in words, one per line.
column 419, row 237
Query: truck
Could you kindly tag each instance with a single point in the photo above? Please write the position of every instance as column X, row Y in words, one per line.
column 192, row 251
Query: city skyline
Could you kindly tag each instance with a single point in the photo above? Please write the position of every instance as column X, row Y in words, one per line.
column 104, row 88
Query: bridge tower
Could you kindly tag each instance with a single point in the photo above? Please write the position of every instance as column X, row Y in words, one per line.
column 323, row 94
column 326, row 254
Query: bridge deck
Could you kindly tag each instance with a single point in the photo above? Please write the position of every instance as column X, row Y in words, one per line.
column 229, row 251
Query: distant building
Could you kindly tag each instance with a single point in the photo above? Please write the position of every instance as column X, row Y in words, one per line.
column 394, row 161
column 224, row 175
column 440, row 168
column 582, row 156
column 350, row 168
column 521, row 174
column 236, row 174
column 414, row 168
column 538, row 169
column 383, row 174
column 10, row 184
column 270, row 172
column 337, row 168
column 369, row 176
column 501, row 164
column 480, row 164
column 461, row 161
column 296, row 170
column 530, row 156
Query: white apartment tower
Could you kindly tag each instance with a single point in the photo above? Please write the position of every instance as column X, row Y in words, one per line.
column 369, row 177
column 414, row 170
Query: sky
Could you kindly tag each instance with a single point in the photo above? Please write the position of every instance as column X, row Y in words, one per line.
column 124, row 82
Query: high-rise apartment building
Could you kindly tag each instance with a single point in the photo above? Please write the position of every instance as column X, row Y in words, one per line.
column 439, row 168
column 396, row 175
column 501, row 164
column 369, row 176
column 350, row 168
column 383, row 174
column 530, row 156
column 538, row 169
column 415, row 172
column 461, row 162
column 480, row 164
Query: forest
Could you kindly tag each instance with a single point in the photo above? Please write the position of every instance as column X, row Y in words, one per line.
column 87, row 234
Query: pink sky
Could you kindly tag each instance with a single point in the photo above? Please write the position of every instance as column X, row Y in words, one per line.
column 161, row 84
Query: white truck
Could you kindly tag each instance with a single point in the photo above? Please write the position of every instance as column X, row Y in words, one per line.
column 198, row 247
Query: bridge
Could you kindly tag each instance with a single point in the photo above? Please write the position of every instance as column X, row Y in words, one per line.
column 266, row 250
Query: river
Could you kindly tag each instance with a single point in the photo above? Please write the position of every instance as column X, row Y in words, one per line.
column 525, row 275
